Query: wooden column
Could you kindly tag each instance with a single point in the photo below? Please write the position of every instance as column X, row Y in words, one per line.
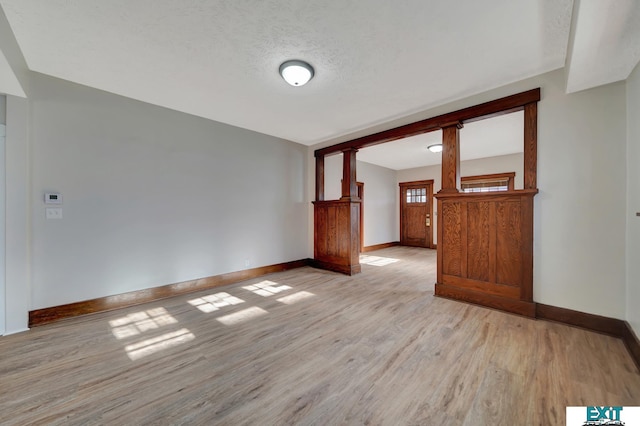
column 320, row 178
column 451, row 158
column 530, row 145
column 349, row 184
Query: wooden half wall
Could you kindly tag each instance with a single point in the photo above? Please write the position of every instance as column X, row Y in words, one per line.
column 485, row 242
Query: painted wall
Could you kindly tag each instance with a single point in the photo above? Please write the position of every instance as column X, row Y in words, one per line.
column 380, row 194
column 580, row 219
column 2, row 226
column 480, row 166
column 152, row 196
column 17, row 216
column 633, row 200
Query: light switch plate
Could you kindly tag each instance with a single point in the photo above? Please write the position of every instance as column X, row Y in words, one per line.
column 54, row 212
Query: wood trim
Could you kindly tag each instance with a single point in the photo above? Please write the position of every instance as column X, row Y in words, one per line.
column 519, row 307
column 611, row 326
column 530, row 146
column 380, row 246
column 510, row 176
column 319, row 178
column 632, row 343
column 605, row 325
column 450, row 181
column 489, row 109
column 349, row 187
column 56, row 313
column 496, row 176
column 360, row 186
column 416, row 182
column 487, row 195
column 336, row 267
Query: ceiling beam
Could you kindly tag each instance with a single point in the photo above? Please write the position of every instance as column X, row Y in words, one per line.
column 478, row 112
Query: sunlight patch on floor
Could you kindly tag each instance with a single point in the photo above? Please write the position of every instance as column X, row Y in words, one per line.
column 213, row 302
column 139, row 322
column 156, row 344
column 377, row 260
column 295, row 297
column 266, row 288
column 242, row 316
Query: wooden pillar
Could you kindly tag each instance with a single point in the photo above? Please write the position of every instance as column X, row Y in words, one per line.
column 349, row 184
column 451, row 158
column 320, row 178
column 530, row 145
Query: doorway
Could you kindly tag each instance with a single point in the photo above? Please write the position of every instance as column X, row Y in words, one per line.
column 2, row 229
column 416, row 213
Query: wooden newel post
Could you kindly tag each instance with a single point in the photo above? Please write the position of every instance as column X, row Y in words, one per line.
column 349, row 184
column 451, row 158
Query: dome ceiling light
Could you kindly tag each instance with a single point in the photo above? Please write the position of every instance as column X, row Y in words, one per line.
column 296, row 72
column 435, row 147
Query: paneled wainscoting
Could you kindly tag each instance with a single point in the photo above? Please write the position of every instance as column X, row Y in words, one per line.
column 307, row 346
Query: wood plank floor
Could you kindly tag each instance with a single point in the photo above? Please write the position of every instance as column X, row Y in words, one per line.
column 315, row 348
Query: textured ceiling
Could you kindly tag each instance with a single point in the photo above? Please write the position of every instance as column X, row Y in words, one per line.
column 606, row 43
column 375, row 60
column 496, row 136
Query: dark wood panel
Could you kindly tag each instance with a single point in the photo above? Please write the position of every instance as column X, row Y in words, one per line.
column 319, row 178
column 481, row 298
column 508, row 243
column 56, row 313
column 451, row 159
column 530, row 145
column 482, row 286
column 488, row 109
column 451, row 245
column 337, row 235
column 480, row 254
column 526, row 249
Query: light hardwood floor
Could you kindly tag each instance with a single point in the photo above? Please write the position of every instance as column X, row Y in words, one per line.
column 312, row 347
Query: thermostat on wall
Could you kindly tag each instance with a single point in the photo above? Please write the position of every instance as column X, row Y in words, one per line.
column 52, row 198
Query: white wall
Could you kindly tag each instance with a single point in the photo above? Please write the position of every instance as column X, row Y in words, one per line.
column 480, row 166
column 380, row 198
column 580, row 220
column 152, row 196
column 633, row 200
column 2, row 222
column 17, row 282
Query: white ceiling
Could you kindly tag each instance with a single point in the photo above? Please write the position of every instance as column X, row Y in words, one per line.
column 492, row 137
column 375, row 60
column 606, row 44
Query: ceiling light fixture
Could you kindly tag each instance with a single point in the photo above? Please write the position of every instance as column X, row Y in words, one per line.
column 296, row 73
column 437, row 147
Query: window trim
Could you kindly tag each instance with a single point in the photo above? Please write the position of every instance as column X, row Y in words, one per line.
column 508, row 176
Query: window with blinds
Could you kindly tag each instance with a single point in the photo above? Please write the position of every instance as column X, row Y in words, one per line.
column 488, row 183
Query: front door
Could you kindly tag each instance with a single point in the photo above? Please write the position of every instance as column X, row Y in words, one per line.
column 416, row 213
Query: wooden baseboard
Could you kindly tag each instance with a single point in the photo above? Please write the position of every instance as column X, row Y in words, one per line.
column 632, row 343
column 380, row 246
column 336, row 267
column 519, row 307
column 55, row 313
column 605, row 325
